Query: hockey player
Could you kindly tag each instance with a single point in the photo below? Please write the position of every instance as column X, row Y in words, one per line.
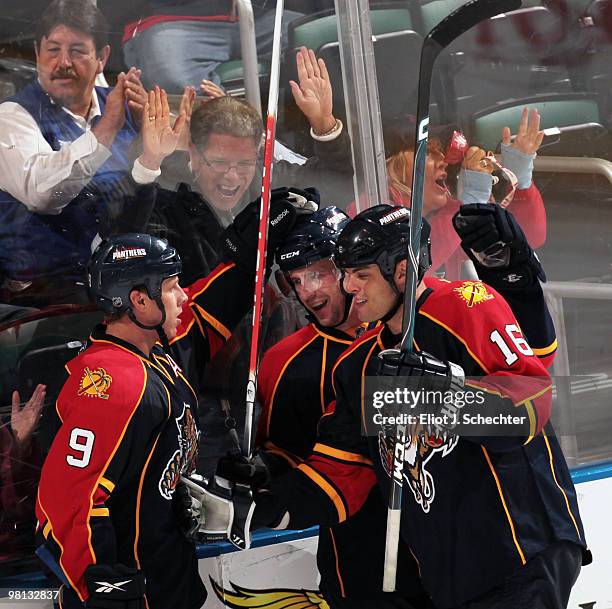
column 492, row 521
column 110, row 508
column 295, row 385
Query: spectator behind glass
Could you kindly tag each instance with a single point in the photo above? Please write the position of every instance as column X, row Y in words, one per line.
column 475, row 183
column 181, row 42
column 226, row 140
column 63, row 150
column 20, row 463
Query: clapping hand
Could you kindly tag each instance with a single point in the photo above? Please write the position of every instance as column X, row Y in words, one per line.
column 135, row 93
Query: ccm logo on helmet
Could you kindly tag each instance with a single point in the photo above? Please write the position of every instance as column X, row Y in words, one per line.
column 126, row 254
column 289, row 255
column 394, row 215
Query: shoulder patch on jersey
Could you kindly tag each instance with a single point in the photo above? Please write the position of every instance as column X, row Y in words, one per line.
column 95, row 383
column 473, row 293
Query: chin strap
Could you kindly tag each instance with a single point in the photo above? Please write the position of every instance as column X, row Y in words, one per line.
column 159, row 327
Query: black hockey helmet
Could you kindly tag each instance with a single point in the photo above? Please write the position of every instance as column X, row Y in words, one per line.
column 126, row 262
column 313, row 238
column 380, row 235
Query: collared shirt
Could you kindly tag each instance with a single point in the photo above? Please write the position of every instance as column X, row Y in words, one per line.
column 43, row 179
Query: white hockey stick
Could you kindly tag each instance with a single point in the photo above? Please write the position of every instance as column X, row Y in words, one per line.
column 262, row 243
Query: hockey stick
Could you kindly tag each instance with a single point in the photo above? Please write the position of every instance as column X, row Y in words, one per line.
column 262, row 243
column 457, row 23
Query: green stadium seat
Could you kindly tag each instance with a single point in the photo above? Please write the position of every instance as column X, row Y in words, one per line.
column 561, row 111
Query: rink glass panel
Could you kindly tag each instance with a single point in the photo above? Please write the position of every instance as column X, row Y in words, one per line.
column 556, row 57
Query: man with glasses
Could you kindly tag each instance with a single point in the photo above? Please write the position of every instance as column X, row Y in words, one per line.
column 226, row 141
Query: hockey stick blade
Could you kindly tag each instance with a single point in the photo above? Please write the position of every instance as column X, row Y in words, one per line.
column 467, row 16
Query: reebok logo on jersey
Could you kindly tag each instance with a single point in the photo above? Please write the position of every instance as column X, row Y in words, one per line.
column 107, row 587
column 394, row 216
column 128, row 254
column 279, row 217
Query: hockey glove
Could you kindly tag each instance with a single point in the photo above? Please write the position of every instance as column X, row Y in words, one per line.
column 114, row 587
column 227, row 511
column 186, row 511
column 495, row 242
column 236, row 468
column 427, row 371
column 239, row 242
column 423, row 371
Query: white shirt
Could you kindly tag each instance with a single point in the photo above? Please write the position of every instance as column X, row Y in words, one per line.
column 43, row 179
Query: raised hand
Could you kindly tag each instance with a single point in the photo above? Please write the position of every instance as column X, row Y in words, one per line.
column 159, row 138
column 529, row 137
column 313, row 95
column 24, row 420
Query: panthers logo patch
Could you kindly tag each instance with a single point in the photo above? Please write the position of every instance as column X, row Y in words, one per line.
column 420, row 448
column 95, row 383
column 183, row 461
column 473, row 293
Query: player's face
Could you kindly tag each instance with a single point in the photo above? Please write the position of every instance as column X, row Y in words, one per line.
column 318, row 287
column 373, row 297
column 68, row 64
column 225, row 169
column 173, row 298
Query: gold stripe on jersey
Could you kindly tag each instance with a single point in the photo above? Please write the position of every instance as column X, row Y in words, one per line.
column 531, row 413
column 322, row 380
column 355, row 345
column 330, row 337
column 331, row 533
column 363, row 378
column 105, row 483
column 292, row 459
column 185, row 332
column 459, row 338
column 545, row 350
column 535, row 395
column 501, row 496
column 327, row 488
column 278, row 380
column 213, row 321
column 211, row 279
column 99, row 512
column 552, row 469
column 342, row 455
column 46, row 530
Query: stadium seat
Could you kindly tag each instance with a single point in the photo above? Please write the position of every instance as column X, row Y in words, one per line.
column 556, row 111
column 517, row 54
